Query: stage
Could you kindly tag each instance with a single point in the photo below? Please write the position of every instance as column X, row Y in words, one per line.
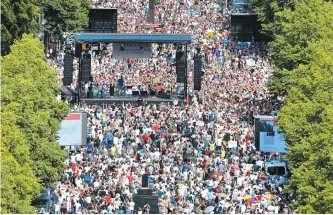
column 129, row 99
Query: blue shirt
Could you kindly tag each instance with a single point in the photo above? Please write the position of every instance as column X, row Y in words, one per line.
column 90, row 146
column 109, row 136
column 121, row 82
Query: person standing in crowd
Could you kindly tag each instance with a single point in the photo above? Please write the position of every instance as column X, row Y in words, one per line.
column 146, row 208
column 111, row 90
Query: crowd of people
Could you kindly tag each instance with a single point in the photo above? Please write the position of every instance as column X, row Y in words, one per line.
column 201, row 157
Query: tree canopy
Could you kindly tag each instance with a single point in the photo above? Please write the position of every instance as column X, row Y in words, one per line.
column 65, row 15
column 267, row 10
column 17, row 17
column 18, row 182
column 302, row 53
column 307, row 121
column 27, row 16
column 31, row 118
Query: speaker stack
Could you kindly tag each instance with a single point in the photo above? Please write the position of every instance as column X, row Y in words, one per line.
column 78, row 50
column 197, row 71
column 68, row 70
column 180, row 66
column 145, row 180
column 86, row 68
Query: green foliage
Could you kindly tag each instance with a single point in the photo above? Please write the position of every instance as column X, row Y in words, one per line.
column 18, row 17
column 309, row 22
column 307, row 122
column 266, row 10
column 18, row 182
column 312, row 20
column 302, row 52
column 29, row 85
column 65, row 15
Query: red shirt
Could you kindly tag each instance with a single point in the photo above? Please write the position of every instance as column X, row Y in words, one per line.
column 247, row 137
column 130, row 178
column 107, row 198
column 145, row 137
column 74, row 166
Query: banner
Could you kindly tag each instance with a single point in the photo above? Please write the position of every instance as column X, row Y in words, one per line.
column 131, row 50
column 267, row 137
column 73, row 131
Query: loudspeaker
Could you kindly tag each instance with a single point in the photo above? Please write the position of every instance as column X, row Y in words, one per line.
column 148, row 192
column 143, row 93
column 197, row 72
column 90, row 94
column 180, row 66
column 140, row 201
column 68, row 70
column 151, row 11
column 78, row 50
column 103, row 20
column 86, row 69
column 145, row 180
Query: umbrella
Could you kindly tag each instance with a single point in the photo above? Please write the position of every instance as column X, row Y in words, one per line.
column 247, row 197
column 156, row 80
column 68, row 91
column 209, row 209
column 87, row 178
column 161, row 87
column 155, row 127
column 152, row 26
column 251, row 201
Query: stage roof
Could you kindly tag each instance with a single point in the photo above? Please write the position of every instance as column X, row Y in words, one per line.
column 132, row 38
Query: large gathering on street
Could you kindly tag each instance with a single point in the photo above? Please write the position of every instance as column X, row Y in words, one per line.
column 251, row 134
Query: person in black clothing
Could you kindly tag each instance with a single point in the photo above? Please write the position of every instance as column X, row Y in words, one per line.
column 146, row 208
column 140, row 101
column 111, row 89
column 63, row 209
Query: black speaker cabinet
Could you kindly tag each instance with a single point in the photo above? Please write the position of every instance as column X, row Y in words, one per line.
column 145, row 180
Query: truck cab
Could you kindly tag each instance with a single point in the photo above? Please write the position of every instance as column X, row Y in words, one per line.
column 277, row 169
column 43, row 202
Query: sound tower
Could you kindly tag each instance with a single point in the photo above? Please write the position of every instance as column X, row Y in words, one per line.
column 197, row 72
column 103, row 20
column 180, row 66
column 78, row 50
column 151, row 11
column 145, row 180
column 86, row 68
column 68, row 70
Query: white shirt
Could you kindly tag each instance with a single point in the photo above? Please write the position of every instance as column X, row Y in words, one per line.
column 115, row 140
column 78, row 157
column 131, row 205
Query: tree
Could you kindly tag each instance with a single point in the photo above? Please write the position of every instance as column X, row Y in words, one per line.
column 307, row 122
column 266, row 10
column 302, row 55
column 17, row 17
column 29, row 84
column 65, row 15
column 309, row 22
column 18, row 182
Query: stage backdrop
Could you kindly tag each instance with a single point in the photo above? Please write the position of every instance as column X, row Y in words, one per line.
column 131, row 50
column 73, row 131
column 267, row 137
